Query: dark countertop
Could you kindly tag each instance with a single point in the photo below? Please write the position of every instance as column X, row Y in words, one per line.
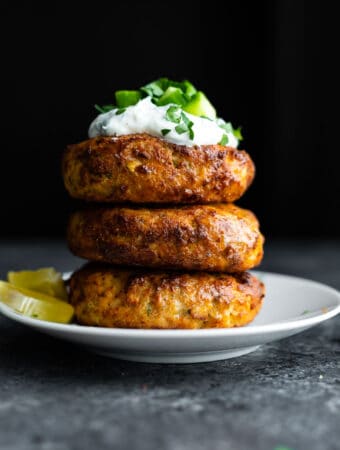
column 55, row 396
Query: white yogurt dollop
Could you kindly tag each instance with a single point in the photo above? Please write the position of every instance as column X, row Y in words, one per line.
column 146, row 117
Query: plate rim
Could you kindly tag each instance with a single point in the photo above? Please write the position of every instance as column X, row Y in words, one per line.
column 289, row 325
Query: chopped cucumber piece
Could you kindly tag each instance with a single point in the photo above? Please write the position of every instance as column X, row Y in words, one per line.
column 199, row 105
column 127, row 98
column 172, row 95
column 189, row 89
column 155, row 88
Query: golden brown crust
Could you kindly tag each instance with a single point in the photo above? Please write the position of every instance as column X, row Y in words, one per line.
column 109, row 297
column 215, row 238
column 140, row 168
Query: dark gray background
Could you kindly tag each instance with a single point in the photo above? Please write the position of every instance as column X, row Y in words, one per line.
column 267, row 66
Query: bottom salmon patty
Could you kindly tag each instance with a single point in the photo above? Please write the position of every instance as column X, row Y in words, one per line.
column 105, row 296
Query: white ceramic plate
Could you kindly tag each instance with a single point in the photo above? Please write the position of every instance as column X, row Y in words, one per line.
column 291, row 305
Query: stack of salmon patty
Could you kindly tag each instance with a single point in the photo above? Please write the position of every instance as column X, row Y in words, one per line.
column 167, row 246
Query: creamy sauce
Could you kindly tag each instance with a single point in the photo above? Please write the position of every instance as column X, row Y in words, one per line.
column 146, row 117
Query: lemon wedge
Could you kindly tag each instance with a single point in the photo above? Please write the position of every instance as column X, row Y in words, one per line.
column 46, row 280
column 35, row 304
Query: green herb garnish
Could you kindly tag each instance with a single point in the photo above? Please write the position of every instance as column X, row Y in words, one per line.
column 120, row 111
column 189, row 124
column 182, row 128
column 224, row 140
column 185, row 124
column 186, row 120
column 237, row 133
column 103, row 109
column 165, row 131
column 173, row 114
column 227, row 126
column 155, row 88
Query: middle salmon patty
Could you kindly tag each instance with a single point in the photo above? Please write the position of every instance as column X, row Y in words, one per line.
column 215, row 238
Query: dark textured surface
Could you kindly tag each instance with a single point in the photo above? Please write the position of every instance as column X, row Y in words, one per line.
column 286, row 393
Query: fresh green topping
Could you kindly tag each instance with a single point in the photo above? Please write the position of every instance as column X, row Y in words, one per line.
column 237, row 133
column 188, row 124
column 162, row 92
column 227, row 126
column 158, row 89
column 127, row 98
column 224, row 140
column 120, row 111
column 182, row 96
column 186, row 120
column 176, row 115
column 188, row 88
column 199, row 105
column 172, row 95
column 182, row 128
column 104, row 108
column 155, row 89
column 173, row 114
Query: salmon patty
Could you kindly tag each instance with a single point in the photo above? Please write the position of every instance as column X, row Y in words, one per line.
column 140, row 168
column 110, row 297
column 214, row 238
